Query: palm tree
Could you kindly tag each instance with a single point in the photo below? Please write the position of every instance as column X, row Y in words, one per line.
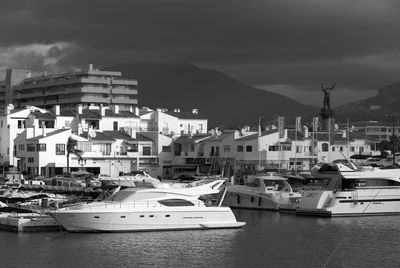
column 71, row 144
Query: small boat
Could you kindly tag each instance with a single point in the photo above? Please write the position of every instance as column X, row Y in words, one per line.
column 268, row 192
column 347, row 190
column 149, row 209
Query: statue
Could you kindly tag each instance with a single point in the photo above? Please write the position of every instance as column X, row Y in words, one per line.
column 326, row 111
column 327, row 96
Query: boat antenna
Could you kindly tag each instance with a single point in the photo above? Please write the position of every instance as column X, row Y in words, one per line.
column 348, row 160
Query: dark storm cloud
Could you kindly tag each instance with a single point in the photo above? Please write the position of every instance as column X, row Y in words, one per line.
column 258, row 41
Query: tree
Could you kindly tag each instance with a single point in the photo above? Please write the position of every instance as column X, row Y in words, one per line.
column 71, row 144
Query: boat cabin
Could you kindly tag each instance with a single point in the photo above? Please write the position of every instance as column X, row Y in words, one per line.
column 270, row 182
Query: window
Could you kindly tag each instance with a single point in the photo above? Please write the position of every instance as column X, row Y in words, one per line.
column 30, row 147
column 84, row 146
column 115, row 125
column 123, row 150
column 273, row 148
column 60, row 149
column 176, row 203
column 21, row 147
column 41, row 147
column 227, row 148
column 31, row 159
column 212, row 151
column 192, row 147
column 21, row 123
column 249, row 148
column 286, row 147
column 105, row 149
column 333, row 148
column 216, row 150
column 240, row 148
column 166, row 149
column 351, row 148
column 1, row 123
column 66, row 124
column 341, row 148
column 146, row 150
column 298, row 149
column 325, row 147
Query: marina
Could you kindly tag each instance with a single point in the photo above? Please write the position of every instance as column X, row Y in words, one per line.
column 201, row 134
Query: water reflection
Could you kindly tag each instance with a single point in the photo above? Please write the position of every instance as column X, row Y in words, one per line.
column 269, row 239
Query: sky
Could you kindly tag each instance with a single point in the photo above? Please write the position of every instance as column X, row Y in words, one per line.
column 287, row 47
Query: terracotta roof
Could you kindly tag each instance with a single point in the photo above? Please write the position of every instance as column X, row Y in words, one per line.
column 186, row 115
column 110, row 113
column 221, row 137
column 47, row 135
column 40, row 115
column 112, row 135
column 255, row 135
column 100, row 136
column 191, row 139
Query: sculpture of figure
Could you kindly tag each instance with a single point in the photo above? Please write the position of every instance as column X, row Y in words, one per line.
column 327, row 96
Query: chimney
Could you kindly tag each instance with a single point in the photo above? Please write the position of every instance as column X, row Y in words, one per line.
column 344, row 133
column 28, row 74
column 131, row 109
column 57, row 109
column 103, row 111
column 116, row 109
column 90, row 67
column 80, row 129
column 133, row 134
column 137, row 111
column 177, row 110
column 79, row 108
column 195, row 111
column 44, row 131
column 305, row 129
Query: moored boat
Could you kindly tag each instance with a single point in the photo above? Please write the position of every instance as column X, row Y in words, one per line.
column 149, row 209
column 268, row 192
column 351, row 191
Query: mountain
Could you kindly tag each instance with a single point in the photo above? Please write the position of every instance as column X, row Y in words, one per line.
column 220, row 98
column 386, row 102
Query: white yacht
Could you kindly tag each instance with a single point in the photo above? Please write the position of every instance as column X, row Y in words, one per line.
column 137, row 209
column 269, row 192
column 350, row 191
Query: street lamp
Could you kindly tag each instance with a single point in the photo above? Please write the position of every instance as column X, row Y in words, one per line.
column 82, row 162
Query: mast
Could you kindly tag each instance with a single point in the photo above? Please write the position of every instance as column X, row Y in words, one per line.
column 259, row 142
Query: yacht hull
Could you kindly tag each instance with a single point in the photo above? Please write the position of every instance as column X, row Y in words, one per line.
column 146, row 220
column 359, row 202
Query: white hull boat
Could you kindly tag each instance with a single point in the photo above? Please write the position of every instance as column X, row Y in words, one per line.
column 270, row 192
column 149, row 210
column 353, row 192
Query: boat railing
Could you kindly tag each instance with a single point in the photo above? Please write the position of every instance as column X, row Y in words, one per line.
column 139, row 204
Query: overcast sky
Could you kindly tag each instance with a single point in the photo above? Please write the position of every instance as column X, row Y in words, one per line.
column 283, row 46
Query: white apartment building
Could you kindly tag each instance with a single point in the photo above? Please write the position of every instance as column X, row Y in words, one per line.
column 88, row 86
column 43, row 152
column 173, row 123
column 12, row 123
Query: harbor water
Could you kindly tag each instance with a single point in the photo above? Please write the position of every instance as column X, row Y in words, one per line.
column 269, row 239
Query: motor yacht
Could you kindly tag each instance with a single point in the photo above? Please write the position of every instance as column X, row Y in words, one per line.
column 268, row 192
column 347, row 190
column 149, row 209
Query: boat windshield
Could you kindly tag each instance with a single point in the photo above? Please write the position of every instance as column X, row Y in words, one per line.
column 120, row 196
column 279, row 185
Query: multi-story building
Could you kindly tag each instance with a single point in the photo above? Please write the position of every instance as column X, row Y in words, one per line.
column 88, row 87
column 173, row 123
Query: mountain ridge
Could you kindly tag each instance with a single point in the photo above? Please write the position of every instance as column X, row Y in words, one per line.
column 220, row 98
